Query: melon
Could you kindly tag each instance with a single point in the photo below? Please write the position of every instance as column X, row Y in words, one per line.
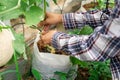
column 6, row 47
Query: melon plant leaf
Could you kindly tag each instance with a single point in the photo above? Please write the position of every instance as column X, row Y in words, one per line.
column 94, row 75
column 62, row 75
column 12, row 14
column 76, row 61
column 31, row 2
column 10, row 9
column 34, row 15
column 86, row 30
column 55, row 1
column 19, row 44
column 26, row 1
column 39, row 1
column 2, row 7
column 9, row 3
column 24, row 6
column 36, row 74
column 34, row 1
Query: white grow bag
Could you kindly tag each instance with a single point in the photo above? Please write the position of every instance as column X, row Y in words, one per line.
column 47, row 63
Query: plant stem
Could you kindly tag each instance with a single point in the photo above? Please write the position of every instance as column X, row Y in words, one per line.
column 16, row 65
column 44, row 8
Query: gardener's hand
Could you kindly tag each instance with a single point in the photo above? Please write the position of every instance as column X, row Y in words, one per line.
column 51, row 19
column 47, row 36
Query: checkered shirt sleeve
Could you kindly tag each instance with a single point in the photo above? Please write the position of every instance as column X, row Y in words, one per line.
column 101, row 45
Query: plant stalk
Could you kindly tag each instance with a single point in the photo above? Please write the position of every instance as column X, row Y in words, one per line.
column 44, row 8
column 16, row 65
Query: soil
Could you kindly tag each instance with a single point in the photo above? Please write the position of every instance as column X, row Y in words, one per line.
column 90, row 5
column 49, row 49
column 82, row 74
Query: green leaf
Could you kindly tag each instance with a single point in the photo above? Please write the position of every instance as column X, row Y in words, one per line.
column 76, row 61
column 2, row 7
column 38, row 1
column 62, row 75
column 94, row 75
column 31, row 2
column 36, row 74
column 34, row 15
column 35, row 2
column 26, row 1
column 9, row 3
column 52, row 79
column 24, row 6
column 11, row 9
column 0, row 77
column 55, row 1
column 86, row 30
column 19, row 43
column 12, row 14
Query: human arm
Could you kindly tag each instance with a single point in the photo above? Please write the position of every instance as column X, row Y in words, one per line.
column 93, row 18
column 99, row 46
column 75, row 20
column 51, row 19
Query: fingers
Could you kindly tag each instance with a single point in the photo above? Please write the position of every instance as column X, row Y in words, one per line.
column 43, row 32
column 47, row 36
column 44, row 40
column 45, row 22
column 42, row 23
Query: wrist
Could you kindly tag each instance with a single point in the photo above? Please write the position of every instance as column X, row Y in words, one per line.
column 60, row 18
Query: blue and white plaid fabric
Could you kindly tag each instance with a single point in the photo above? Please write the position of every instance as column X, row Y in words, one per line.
column 103, row 44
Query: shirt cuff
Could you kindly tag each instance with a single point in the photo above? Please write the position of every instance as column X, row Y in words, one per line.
column 55, row 40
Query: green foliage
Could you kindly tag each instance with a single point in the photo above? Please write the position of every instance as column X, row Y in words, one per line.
column 35, row 12
column 4, row 27
column 100, row 70
column 19, row 49
column 62, row 75
column 29, row 8
column 11, row 9
column 19, row 43
column 102, row 5
column 97, row 70
column 55, row 1
column 76, row 61
column 70, row 75
column 86, row 30
column 36, row 74
column 17, row 66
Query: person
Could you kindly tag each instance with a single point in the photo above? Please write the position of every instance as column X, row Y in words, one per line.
column 102, row 44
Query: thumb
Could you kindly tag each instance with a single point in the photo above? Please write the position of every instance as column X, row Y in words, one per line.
column 43, row 32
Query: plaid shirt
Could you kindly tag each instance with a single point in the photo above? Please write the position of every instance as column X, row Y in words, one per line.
column 102, row 44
